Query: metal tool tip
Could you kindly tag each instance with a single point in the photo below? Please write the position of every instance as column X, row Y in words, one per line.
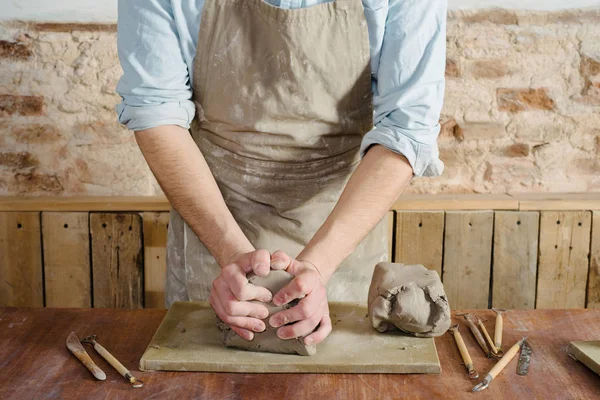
column 137, row 383
column 88, row 339
column 479, row 388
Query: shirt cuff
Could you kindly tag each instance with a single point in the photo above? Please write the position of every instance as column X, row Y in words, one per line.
column 423, row 158
column 138, row 118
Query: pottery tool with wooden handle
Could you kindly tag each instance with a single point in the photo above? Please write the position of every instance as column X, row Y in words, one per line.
column 470, row 319
column 464, row 352
column 136, row 383
column 487, row 336
column 74, row 345
column 496, row 369
column 499, row 327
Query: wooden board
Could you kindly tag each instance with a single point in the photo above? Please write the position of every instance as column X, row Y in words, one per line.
column 20, row 260
column 67, row 275
column 155, row 258
column 563, row 259
column 420, row 238
column 515, row 259
column 558, row 201
column 188, row 340
column 593, row 290
column 467, row 258
column 37, row 365
column 391, row 215
column 456, row 202
column 517, row 201
column 85, row 203
column 587, row 353
column 117, row 260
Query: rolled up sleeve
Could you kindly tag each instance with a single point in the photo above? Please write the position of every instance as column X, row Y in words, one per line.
column 409, row 84
column 155, row 86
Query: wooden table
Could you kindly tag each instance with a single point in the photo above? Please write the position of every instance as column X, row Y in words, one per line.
column 35, row 363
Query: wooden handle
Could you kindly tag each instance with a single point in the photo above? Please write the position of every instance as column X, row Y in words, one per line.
column 90, row 365
column 464, row 352
column 498, row 331
column 478, row 336
column 487, row 337
column 111, row 360
column 510, row 354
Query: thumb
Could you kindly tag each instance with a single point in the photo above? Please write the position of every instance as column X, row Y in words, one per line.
column 280, row 260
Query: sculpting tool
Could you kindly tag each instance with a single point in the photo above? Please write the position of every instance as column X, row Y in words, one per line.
column 136, row 383
column 464, row 352
column 496, row 369
column 470, row 319
column 524, row 359
column 74, row 345
column 487, row 336
column 499, row 327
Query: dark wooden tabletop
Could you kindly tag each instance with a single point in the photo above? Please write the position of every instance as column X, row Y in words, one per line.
column 35, row 363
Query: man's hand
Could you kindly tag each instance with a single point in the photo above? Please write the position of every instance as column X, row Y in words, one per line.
column 311, row 311
column 231, row 293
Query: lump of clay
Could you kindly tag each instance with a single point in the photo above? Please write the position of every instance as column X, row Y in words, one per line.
column 268, row 341
column 410, row 298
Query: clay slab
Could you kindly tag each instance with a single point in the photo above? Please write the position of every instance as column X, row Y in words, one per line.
column 188, row 340
column 586, row 352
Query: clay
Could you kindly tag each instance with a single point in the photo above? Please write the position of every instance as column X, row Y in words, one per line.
column 409, row 298
column 268, row 341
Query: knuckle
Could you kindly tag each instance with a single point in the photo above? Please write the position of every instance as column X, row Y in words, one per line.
column 302, row 285
column 246, row 324
column 227, row 269
column 243, row 294
column 304, row 311
column 230, row 308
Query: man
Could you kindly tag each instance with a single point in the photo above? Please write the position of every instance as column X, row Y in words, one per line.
column 306, row 118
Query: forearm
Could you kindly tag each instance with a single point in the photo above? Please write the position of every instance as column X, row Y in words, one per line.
column 188, row 183
column 374, row 186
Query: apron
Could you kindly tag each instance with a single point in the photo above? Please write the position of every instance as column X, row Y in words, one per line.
column 283, row 99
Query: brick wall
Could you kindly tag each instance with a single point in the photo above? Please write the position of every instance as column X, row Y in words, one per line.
column 521, row 114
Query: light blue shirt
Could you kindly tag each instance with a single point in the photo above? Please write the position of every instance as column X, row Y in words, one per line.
column 157, row 45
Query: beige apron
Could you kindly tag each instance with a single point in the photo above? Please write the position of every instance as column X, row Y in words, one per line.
column 283, row 99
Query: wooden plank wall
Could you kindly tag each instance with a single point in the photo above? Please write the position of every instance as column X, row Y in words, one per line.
column 467, row 258
column 420, row 238
column 593, row 293
column 563, row 265
column 512, row 255
column 117, row 260
column 155, row 258
column 67, row 272
column 515, row 259
column 21, row 273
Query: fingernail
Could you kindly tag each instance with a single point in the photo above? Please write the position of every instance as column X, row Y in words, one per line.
column 278, row 264
column 281, row 334
column 274, row 322
column 259, row 327
column 308, row 341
